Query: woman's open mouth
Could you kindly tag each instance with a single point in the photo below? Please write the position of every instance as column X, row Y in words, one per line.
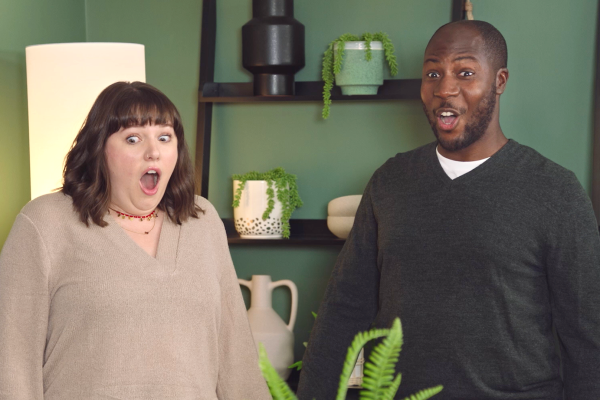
column 149, row 181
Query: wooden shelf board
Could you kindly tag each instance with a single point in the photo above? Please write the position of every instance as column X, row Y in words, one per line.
column 242, row 92
column 303, row 232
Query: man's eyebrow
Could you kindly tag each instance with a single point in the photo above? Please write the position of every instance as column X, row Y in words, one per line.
column 433, row 60
column 465, row 58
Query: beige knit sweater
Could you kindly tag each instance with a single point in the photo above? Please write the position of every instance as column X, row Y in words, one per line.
column 85, row 313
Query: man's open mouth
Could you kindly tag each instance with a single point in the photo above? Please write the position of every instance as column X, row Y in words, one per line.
column 447, row 119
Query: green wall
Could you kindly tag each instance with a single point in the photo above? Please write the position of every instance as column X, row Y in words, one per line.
column 24, row 23
column 547, row 104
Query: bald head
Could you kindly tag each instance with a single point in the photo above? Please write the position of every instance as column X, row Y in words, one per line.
column 494, row 44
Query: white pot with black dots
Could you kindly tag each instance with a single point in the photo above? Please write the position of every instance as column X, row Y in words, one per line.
column 248, row 215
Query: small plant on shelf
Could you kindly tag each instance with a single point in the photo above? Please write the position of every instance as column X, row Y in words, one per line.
column 287, row 193
column 379, row 382
column 332, row 63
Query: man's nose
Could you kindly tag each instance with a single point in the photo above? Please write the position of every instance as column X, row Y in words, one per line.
column 446, row 87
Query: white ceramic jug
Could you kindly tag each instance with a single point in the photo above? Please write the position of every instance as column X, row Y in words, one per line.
column 267, row 326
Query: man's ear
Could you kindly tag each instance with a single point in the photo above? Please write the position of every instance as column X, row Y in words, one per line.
column 501, row 79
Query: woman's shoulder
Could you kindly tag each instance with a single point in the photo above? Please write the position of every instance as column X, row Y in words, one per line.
column 50, row 206
column 206, row 206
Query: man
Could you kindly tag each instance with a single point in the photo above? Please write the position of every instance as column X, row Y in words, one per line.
column 479, row 244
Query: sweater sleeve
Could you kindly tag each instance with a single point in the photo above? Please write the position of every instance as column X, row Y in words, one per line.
column 239, row 375
column 573, row 268
column 24, row 302
column 350, row 305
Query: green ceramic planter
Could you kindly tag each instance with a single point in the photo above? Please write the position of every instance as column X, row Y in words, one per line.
column 359, row 76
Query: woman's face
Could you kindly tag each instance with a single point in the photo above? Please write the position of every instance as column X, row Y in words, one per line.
column 140, row 162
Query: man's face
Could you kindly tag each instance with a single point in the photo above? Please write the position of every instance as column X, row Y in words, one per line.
column 458, row 89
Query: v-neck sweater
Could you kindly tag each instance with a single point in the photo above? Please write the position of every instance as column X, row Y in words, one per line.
column 85, row 313
column 478, row 269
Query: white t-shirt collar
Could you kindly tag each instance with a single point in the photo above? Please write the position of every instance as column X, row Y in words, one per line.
column 454, row 169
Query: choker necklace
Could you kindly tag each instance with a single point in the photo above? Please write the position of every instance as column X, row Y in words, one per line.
column 148, row 217
column 152, row 216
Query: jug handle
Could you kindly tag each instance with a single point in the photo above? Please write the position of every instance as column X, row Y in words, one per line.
column 294, row 291
column 243, row 282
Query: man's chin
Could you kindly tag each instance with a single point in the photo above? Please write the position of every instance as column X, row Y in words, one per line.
column 455, row 143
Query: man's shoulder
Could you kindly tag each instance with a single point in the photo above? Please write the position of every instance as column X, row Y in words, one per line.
column 551, row 184
column 529, row 164
column 409, row 160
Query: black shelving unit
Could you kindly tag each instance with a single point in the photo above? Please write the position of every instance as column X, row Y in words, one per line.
column 304, row 232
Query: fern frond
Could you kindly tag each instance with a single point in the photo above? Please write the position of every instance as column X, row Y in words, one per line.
column 358, row 343
column 297, row 365
column 425, row 393
column 277, row 387
column 380, row 370
column 390, row 392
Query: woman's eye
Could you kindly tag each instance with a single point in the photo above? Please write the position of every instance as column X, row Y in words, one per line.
column 132, row 139
column 165, row 138
column 432, row 74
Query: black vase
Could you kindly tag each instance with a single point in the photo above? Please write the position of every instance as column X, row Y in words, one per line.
column 273, row 47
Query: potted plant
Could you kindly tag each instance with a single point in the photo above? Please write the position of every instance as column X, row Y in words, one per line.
column 263, row 203
column 379, row 381
column 362, row 72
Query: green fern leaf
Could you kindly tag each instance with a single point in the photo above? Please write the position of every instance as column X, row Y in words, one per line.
column 277, row 387
column 390, row 392
column 425, row 393
column 380, row 370
column 349, row 363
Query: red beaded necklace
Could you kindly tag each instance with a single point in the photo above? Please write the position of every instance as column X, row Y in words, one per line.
column 148, row 217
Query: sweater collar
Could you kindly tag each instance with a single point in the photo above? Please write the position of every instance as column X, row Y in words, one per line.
column 497, row 159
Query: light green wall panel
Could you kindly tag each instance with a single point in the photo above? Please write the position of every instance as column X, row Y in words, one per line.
column 24, row 23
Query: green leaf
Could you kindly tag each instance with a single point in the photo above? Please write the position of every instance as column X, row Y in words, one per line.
column 277, row 387
column 380, row 370
column 297, row 365
column 425, row 393
column 349, row 363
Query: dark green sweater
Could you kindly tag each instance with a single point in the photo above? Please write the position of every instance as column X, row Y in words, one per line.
column 478, row 269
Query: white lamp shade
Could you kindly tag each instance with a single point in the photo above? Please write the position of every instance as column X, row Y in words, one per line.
column 63, row 81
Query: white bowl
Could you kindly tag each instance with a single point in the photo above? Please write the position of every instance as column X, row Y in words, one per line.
column 340, row 226
column 345, row 206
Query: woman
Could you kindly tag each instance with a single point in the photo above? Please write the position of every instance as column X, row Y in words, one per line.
column 120, row 285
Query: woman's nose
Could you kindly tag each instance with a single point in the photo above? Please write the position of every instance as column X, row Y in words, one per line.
column 152, row 152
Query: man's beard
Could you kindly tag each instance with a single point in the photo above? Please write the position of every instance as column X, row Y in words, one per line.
column 474, row 128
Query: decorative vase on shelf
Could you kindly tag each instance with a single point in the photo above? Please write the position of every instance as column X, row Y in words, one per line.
column 340, row 214
column 359, row 76
column 267, row 326
column 248, row 215
column 273, row 47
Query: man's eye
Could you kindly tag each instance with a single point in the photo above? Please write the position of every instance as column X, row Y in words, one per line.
column 164, row 138
column 132, row 139
column 433, row 74
column 466, row 73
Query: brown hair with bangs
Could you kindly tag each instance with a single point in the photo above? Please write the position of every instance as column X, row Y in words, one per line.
column 123, row 105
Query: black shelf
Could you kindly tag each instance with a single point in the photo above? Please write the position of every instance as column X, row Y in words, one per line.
column 392, row 89
column 303, row 232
